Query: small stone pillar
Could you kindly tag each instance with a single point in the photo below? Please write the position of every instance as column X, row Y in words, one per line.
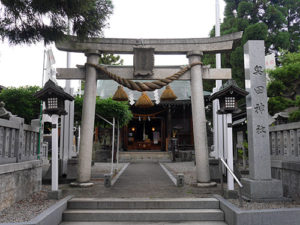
column 259, row 185
column 88, row 117
column 174, row 148
column 180, row 180
column 199, row 120
column 107, row 180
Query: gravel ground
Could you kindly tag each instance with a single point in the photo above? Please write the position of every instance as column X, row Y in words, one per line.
column 27, row 209
column 265, row 205
column 31, row 207
column 189, row 171
column 99, row 169
column 187, row 168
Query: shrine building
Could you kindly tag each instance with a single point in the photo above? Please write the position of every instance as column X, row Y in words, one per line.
column 152, row 128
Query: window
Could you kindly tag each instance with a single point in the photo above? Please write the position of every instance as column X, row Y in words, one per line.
column 52, row 103
column 229, row 102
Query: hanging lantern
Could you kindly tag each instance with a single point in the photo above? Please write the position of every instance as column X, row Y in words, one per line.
column 120, row 94
column 144, row 101
column 168, row 94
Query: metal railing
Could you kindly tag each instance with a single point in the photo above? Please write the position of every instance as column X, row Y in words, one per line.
column 221, row 160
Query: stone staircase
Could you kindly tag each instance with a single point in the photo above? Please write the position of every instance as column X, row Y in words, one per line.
column 145, row 156
column 201, row 211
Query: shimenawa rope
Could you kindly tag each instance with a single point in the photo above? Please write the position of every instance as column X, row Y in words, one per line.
column 145, row 86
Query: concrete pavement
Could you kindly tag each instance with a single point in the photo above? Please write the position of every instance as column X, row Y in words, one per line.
column 140, row 180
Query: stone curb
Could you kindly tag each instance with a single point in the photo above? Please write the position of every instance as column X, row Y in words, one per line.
column 114, row 180
column 51, row 216
column 236, row 216
column 108, row 182
column 178, row 180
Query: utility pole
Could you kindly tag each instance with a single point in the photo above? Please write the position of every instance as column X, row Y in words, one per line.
column 217, row 119
column 67, row 124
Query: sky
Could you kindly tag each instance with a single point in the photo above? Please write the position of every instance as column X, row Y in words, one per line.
column 22, row 65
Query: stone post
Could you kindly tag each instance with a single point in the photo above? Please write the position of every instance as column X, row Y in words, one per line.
column 54, row 172
column 55, row 193
column 230, row 181
column 20, row 141
column 260, row 184
column 88, row 117
column 199, row 120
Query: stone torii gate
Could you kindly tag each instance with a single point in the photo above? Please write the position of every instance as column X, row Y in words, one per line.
column 193, row 48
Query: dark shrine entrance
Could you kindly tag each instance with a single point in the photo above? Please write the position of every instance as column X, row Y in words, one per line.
column 145, row 133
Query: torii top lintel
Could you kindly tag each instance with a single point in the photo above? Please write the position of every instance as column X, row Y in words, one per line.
column 161, row 46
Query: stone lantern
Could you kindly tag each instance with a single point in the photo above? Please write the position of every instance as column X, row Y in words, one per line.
column 228, row 95
column 54, row 98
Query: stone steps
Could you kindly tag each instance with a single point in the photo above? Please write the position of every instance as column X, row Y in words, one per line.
column 147, row 223
column 144, row 156
column 119, row 203
column 144, row 215
column 142, row 211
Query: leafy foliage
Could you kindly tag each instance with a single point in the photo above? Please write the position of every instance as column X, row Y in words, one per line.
column 29, row 21
column 284, row 88
column 20, row 102
column 275, row 22
column 108, row 109
column 110, row 59
column 107, row 59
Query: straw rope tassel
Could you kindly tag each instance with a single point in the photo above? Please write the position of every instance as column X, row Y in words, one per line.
column 168, row 94
column 120, row 94
column 144, row 101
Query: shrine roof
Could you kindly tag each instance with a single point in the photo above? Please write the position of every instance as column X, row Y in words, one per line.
column 182, row 89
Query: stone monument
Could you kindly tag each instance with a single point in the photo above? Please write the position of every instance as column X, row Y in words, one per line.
column 260, row 185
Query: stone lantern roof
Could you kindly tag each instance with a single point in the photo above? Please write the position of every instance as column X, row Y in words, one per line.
column 229, row 88
column 50, row 89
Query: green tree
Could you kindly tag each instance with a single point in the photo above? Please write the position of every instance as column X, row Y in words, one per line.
column 284, row 87
column 107, row 108
column 20, row 102
column 276, row 22
column 107, row 59
column 110, row 59
column 30, row 21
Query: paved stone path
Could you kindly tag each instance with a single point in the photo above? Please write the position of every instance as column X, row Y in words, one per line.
column 140, row 180
column 139, row 177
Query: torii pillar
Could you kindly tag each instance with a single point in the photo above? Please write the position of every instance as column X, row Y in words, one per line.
column 88, row 119
column 199, row 120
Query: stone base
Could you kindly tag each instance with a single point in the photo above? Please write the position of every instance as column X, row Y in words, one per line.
column 231, row 194
column 205, row 185
column 55, row 194
column 82, row 185
column 262, row 190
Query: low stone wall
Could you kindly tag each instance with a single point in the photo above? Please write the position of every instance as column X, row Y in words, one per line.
column 236, row 216
column 289, row 173
column 18, row 181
